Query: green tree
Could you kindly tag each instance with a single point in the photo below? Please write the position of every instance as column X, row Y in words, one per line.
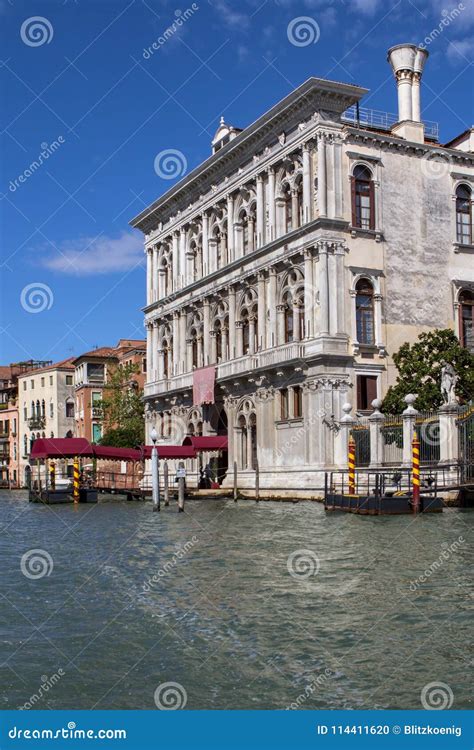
column 419, row 371
column 122, row 409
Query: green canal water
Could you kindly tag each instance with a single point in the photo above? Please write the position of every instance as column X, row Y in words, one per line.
column 243, row 605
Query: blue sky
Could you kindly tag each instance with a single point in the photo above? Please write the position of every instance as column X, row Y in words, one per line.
column 79, row 85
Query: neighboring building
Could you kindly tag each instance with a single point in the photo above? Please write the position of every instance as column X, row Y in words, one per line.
column 45, row 407
column 296, row 260
column 9, row 433
column 91, row 373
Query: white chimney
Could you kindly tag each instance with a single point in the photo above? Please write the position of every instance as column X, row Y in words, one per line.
column 408, row 61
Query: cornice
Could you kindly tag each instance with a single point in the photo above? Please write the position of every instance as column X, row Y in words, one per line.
column 399, row 144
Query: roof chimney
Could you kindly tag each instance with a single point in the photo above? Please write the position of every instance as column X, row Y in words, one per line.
column 408, row 61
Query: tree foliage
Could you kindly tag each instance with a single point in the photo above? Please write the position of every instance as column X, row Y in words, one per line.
column 419, row 371
column 122, row 409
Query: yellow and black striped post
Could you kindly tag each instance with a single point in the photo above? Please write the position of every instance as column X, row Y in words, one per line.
column 416, row 472
column 52, row 475
column 76, row 476
column 351, row 462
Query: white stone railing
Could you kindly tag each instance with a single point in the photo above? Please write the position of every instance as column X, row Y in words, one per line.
column 237, row 366
column 280, row 354
column 169, row 384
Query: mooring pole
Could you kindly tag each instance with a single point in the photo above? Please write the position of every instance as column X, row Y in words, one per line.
column 181, row 480
column 235, row 481
column 257, row 481
column 351, row 464
column 416, row 472
column 52, row 475
column 75, row 472
column 167, row 483
column 155, row 475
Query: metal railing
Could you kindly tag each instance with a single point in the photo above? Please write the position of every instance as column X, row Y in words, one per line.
column 375, row 118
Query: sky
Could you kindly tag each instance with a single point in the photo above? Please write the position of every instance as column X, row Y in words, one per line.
column 94, row 93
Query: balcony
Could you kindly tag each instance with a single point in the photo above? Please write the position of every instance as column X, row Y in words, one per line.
column 37, row 423
column 97, row 412
column 169, row 384
column 374, row 118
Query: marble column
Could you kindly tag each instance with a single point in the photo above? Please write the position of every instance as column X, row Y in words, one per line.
column 323, row 288
column 239, row 336
column 271, row 206
column 250, row 233
column 213, row 356
column 260, row 211
column 232, row 315
column 206, row 333
column 272, row 306
column 307, row 197
column 252, row 335
column 149, row 276
column 176, row 342
column 280, row 337
column 182, row 255
column 230, row 228
column 182, row 341
column 189, row 355
column 294, row 210
column 176, row 284
column 205, row 244
column 154, row 354
column 296, row 321
column 149, row 350
column 322, row 187
column 309, row 301
column 261, row 311
column 156, row 251
column 340, row 288
column 212, row 255
column 377, row 298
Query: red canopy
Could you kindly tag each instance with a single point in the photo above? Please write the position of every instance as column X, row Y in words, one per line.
column 170, row 451
column 207, row 442
column 61, row 448
column 116, row 454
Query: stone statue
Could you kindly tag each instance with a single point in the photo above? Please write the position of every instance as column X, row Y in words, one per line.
column 449, row 378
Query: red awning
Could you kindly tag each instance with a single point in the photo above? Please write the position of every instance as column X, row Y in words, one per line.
column 116, row 454
column 170, row 451
column 207, row 442
column 61, row 448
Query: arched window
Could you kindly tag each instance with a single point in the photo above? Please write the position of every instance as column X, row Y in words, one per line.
column 299, row 219
column 32, row 410
column 365, row 312
column 245, row 331
column 464, row 215
column 218, row 332
column 289, row 319
column 166, row 359
column 195, row 349
column 466, row 319
column 363, row 209
column 289, row 218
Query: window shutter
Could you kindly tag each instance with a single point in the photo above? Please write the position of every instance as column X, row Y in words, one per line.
column 371, row 390
column 353, row 201
column 372, row 204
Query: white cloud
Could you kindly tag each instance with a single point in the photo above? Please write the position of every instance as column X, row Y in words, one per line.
column 230, row 16
column 103, row 254
column 461, row 50
column 368, row 7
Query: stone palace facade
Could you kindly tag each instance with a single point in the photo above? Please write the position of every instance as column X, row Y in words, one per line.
column 297, row 259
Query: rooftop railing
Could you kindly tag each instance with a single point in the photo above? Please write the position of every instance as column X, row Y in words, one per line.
column 375, row 118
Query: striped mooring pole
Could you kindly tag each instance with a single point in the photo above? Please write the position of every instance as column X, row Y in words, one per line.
column 52, row 475
column 416, row 472
column 352, row 462
column 76, row 475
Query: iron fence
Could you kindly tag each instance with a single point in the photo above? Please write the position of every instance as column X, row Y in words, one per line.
column 361, row 435
column 465, row 424
column 428, row 431
column 392, row 436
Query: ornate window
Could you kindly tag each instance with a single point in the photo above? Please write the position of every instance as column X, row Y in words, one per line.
column 365, row 312
column 289, row 318
column 466, row 319
column 247, row 426
column 464, row 215
column 284, row 412
column 363, row 204
column 297, row 402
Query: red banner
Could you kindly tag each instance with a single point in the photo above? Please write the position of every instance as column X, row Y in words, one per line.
column 204, row 381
